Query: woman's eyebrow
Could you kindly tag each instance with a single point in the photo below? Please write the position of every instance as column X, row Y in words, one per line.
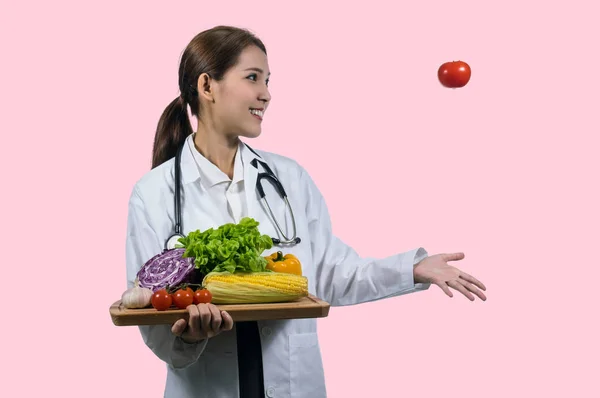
column 257, row 70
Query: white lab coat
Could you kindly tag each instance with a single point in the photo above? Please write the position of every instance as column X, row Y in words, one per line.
column 291, row 354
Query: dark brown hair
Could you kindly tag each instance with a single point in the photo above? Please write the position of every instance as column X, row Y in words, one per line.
column 213, row 51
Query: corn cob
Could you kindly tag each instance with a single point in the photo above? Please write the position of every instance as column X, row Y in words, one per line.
column 254, row 287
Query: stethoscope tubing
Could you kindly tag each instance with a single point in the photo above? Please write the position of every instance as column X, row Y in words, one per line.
column 269, row 175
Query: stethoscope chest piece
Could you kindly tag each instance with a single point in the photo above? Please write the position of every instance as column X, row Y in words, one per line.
column 172, row 241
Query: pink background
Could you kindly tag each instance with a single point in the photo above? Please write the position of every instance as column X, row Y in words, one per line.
column 504, row 169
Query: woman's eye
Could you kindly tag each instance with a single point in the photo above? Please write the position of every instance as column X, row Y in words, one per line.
column 254, row 78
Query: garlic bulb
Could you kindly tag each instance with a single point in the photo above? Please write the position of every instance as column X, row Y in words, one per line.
column 137, row 297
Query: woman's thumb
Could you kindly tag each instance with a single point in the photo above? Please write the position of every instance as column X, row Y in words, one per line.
column 178, row 327
column 453, row 256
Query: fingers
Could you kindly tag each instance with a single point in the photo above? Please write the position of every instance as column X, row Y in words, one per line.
column 473, row 289
column 445, row 288
column 216, row 320
column 205, row 320
column 462, row 286
column 194, row 321
column 227, row 320
column 205, row 317
column 456, row 285
column 453, row 256
column 473, row 280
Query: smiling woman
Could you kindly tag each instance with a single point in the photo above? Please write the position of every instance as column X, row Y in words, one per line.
column 213, row 179
column 227, row 68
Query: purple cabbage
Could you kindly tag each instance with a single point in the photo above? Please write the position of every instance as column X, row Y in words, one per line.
column 168, row 268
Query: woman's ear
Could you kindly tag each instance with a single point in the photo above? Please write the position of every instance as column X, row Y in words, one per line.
column 204, row 87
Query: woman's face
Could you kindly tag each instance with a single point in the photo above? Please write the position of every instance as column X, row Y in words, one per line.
column 242, row 96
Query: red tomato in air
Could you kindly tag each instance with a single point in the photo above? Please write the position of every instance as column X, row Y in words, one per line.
column 454, row 74
column 182, row 298
column 161, row 300
column 202, row 296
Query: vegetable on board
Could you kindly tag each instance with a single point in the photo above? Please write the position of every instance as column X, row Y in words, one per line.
column 254, row 287
column 231, row 247
column 278, row 262
column 136, row 297
column 162, row 300
column 168, row 268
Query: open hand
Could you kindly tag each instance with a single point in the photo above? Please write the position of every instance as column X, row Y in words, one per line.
column 205, row 321
column 435, row 270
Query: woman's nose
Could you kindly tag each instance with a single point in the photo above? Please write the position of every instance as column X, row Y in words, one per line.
column 265, row 95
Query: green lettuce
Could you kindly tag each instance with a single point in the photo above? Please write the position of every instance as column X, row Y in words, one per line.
column 231, row 247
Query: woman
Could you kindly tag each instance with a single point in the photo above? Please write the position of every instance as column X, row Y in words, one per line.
column 223, row 78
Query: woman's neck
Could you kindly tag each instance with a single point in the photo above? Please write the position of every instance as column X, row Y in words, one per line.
column 217, row 148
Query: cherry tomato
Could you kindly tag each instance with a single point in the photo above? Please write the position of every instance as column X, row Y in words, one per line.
column 182, row 298
column 202, row 296
column 161, row 300
column 454, row 74
column 189, row 289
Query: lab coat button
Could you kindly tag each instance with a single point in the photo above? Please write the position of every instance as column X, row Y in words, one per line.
column 266, row 331
column 270, row 392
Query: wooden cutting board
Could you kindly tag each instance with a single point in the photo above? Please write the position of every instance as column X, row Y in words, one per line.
column 306, row 307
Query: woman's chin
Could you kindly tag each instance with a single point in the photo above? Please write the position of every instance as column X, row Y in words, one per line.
column 251, row 133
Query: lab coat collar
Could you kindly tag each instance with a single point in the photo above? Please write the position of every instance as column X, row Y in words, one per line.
column 248, row 155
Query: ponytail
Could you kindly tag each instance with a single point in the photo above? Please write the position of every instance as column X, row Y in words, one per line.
column 173, row 128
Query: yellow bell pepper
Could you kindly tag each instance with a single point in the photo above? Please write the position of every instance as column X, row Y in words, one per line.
column 289, row 263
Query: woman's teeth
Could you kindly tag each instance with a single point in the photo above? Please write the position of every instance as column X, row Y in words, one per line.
column 257, row 112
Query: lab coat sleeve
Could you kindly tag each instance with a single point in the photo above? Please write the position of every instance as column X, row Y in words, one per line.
column 142, row 244
column 342, row 277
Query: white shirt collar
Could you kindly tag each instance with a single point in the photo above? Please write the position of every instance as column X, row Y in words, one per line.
column 209, row 173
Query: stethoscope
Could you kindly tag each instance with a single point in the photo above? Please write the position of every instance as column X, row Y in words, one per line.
column 269, row 175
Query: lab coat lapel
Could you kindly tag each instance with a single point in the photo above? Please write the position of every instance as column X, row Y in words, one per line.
column 250, row 177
